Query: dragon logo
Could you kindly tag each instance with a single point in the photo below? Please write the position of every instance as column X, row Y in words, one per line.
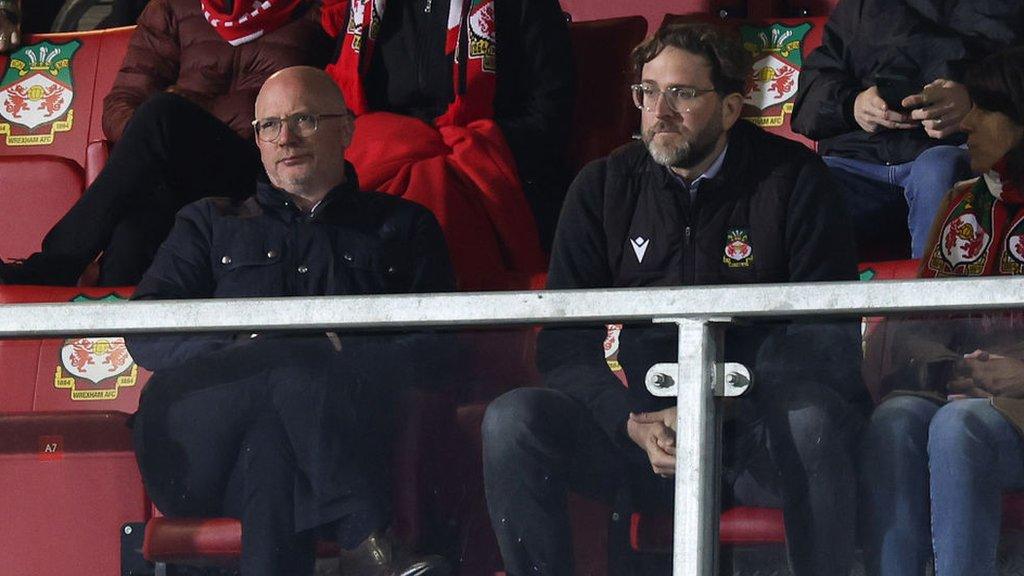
column 37, row 91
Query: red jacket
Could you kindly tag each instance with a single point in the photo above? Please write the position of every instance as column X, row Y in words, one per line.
column 175, row 48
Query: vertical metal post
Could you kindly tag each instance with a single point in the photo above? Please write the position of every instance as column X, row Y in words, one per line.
column 695, row 540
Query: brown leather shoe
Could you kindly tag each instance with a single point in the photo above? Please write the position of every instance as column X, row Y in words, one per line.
column 380, row 555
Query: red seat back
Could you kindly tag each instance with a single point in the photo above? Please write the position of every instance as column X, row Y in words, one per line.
column 51, row 139
column 67, row 374
column 67, row 468
column 35, row 191
column 47, row 95
column 604, row 116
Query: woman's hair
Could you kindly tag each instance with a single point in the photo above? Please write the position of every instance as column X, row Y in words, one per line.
column 730, row 63
column 997, row 83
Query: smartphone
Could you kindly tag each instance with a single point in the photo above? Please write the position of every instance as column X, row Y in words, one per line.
column 893, row 88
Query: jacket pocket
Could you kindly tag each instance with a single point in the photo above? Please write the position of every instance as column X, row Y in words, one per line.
column 248, row 269
column 374, row 271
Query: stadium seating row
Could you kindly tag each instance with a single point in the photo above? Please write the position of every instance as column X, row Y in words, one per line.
column 55, row 152
column 67, row 473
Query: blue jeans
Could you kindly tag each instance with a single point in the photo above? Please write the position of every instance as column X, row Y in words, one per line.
column 871, row 192
column 959, row 458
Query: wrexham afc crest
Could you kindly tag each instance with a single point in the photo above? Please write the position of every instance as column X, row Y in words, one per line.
column 36, row 94
column 778, row 57
column 95, row 368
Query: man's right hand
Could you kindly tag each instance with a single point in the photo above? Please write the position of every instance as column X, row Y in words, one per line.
column 10, row 25
column 873, row 114
column 655, row 433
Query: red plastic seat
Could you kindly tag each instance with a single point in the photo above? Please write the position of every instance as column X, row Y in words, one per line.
column 604, row 117
column 67, row 469
column 51, row 142
column 35, row 191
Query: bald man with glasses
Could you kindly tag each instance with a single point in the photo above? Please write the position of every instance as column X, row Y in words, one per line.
column 289, row 433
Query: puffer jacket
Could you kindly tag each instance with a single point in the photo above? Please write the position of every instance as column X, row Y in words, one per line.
column 175, row 48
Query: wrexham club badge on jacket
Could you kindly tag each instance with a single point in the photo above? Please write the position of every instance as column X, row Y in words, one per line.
column 37, row 93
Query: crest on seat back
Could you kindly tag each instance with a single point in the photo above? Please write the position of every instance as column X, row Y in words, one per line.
column 777, row 52
column 36, row 94
column 95, row 368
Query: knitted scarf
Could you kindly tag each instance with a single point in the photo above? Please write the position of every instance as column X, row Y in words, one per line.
column 982, row 233
column 248, row 19
column 471, row 45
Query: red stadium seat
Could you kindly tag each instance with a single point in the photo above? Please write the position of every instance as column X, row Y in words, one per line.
column 51, row 144
column 35, row 191
column 67, row 469
column 604, row 117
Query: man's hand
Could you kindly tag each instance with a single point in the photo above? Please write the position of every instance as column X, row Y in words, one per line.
column 655, row 433
column 989, row 375
column 873, row 114
column 940, row 107
column 10, row 25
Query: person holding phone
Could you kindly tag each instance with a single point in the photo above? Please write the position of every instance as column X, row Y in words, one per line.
column 884, row 99
column 947, row 437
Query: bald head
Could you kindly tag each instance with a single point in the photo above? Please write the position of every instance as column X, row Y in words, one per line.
column 307, row 111
column 317, row 85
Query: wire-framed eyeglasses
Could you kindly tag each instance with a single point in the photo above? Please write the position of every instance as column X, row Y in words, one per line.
column 302, row 124
column 645, row 96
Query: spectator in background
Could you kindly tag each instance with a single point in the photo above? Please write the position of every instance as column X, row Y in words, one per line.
column 883, row 97
column 479, row 138
column 289, row 433
column 180, row 113
column 704, row 199
column 41, row 14
column 948, row 440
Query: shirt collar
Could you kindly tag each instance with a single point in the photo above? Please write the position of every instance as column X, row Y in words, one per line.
column 708, row 174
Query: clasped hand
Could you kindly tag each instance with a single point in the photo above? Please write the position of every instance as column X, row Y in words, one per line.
column 655, row 433
column 982, row 374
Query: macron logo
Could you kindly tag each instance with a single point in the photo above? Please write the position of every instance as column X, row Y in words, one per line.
column 640, row 245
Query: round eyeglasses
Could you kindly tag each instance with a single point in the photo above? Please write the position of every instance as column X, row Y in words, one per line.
column 678, row 98
column 302, row 124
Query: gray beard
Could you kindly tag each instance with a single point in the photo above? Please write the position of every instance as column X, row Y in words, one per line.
column 685, row 155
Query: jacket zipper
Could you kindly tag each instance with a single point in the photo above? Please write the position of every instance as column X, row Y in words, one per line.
column 687, row 257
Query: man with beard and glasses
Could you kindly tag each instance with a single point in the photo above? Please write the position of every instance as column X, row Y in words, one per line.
column 704, row 199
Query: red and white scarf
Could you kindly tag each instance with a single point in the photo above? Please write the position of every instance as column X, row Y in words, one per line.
column 982, row 231
column 248, row 19
column 471, row 45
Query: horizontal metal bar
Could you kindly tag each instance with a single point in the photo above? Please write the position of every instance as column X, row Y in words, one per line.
column 494, row 309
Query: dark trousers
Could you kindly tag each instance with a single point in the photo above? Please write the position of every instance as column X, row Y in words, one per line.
column 793, row 448
column 172, row 152
column 286, row 435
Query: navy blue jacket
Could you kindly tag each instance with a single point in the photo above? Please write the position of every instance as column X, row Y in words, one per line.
column 353, row 243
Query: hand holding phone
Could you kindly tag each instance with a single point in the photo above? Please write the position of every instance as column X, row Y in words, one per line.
column 895, row 88
column 872, row 113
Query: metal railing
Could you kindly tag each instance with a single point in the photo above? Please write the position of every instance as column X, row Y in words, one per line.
column 700, row 313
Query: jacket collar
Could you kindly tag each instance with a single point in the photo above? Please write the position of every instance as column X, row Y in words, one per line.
column 278, row 201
